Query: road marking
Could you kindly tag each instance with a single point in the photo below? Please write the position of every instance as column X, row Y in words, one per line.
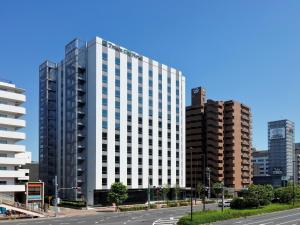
column 171, row 221
column 275, row 218
column 288, row 221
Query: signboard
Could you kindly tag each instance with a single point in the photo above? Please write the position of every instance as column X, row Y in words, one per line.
column 35, row 192
column 121, row 49
column 277, row 171
column 277, row 133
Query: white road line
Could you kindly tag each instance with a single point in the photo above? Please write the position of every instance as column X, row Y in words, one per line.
column 271, row 219
column 288, row 221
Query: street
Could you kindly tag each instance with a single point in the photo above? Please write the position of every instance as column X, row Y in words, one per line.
column 155, row 216
column 288, row 217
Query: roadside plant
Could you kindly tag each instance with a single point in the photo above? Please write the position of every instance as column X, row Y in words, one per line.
column 117, row 194
column 177, row 191
column 165, row 191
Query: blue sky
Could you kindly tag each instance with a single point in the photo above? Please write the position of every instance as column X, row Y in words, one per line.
column 243, row 50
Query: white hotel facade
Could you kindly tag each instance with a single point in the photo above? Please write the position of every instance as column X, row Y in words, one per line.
column 120, row 116
column 12, row 154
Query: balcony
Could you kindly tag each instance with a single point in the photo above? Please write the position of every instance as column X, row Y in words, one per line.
column 12, row 148
column 81, row 99
column 80, row 157
column 80, row 179
column 20, row 174
column 14, row 97
column 17, row 110
column 81, row 122
column 245, row 168
column 81, row 88
column 12, row 188
column 15, row 161
column 18, row 123
column 81, row 77
column 12, row 135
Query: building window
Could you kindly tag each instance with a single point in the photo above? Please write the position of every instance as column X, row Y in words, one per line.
column 140, row 181
column 117, row 82
column 117, row 159
column 104, row 136
column 104, row 158
column 104, row 67
column 104, row 181
column 104, row 112
column 104, row 147
column 128, row 181
column 140, row 69
column 129, row 160
column 117, row 115
column 104, row 79
column 104, row 90
column 128, row 171
column 129, row 65
column 104, row 101
column 117, row 61
column 140, row 171
column 140, row 80
column 104, row 56
column 104, row 124
column 104, row 170
column 129, row 76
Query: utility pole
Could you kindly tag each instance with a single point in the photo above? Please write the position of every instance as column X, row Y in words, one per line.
column 222, row 196
column 148, row 193
column 208, row 177
column 293, row 182
column 191, row 178
column 204, row 180
column 56, row 195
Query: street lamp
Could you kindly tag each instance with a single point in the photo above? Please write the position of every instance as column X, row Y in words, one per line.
column 208, row 177
column 191, row 178
column 293, row 182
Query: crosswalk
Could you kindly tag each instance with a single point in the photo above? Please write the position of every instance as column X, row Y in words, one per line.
column 170, row 221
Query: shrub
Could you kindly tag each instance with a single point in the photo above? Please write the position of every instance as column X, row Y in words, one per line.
column 184, row 203
column 283, row 195
column 172, row 204
column 251, row 203
column 72, row 204
column 237, row 203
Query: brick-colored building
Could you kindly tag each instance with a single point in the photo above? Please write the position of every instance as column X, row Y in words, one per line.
column 219, row 135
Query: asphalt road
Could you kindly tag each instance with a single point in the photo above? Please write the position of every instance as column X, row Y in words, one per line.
column 151, row 217
column 288, row 217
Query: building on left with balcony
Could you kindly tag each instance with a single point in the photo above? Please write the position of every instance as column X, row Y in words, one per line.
column 12, row 154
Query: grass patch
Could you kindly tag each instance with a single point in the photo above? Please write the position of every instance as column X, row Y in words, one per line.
column 218, row 215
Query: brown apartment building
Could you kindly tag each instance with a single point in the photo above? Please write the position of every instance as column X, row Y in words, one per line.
column 218, row 133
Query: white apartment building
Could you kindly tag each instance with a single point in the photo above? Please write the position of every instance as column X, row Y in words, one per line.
column 12, row 154
column 120, row 117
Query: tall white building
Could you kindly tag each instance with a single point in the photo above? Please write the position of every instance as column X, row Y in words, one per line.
column 118, row 116
column 12, row 154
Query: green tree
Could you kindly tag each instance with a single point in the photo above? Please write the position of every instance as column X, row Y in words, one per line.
column 200, row 189
column 177, row 190
column 117, row 194
column 165, row 191
column 263, row 193
column 217, row 189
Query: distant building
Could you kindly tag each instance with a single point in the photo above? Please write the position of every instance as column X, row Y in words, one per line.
column 260, row 162
column 218, row 138
column 281, row 150
column 34, row 171
column 13, row 155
